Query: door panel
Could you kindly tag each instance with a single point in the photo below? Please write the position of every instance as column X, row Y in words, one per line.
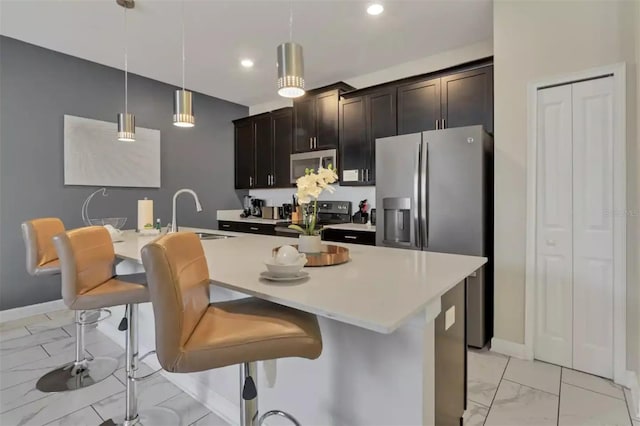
column 467, row 99
column 554, row 273
column 418, row 106
column 304, row 118
column 382, row 122
column 244, row 155
column 593, row 226
column 264, row 150
column 327, row 121
column 355, row 150
column 282, row 126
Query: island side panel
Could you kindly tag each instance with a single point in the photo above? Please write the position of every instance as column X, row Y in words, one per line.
column 361, row 378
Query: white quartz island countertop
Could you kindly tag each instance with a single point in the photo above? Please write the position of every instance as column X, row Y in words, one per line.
column 379, row 289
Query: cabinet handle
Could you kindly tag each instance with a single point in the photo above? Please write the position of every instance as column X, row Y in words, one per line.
column 367, row 175
column 350, row 237
column 253, row 228
column 226, row 226
column 269, row 180
column 443, row 124
column 250, row 180
column 437, row 124
column 315, row 142
column 310, row 143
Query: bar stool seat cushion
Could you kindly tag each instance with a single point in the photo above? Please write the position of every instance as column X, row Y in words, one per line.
column 49, row 268
column 114, row 292
column 248, row 330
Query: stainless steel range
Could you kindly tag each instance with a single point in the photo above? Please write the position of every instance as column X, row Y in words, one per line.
column 329, row 213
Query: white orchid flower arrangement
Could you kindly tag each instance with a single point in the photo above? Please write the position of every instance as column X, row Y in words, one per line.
column 310, row 186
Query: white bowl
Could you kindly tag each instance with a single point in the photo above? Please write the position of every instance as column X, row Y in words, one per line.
column 285, row 270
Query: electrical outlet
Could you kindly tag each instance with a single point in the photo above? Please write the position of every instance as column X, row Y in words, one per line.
column 449, row 318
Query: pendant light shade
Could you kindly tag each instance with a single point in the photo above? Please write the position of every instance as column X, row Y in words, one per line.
column 290, row 70
column 126, row 127
column 183, row 109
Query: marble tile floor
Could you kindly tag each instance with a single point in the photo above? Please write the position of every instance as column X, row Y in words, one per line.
column 506, row 391
column 31, row 347
column 503, row 391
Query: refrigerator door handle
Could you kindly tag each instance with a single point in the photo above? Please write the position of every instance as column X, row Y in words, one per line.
column 424, row 210
column 416, row 198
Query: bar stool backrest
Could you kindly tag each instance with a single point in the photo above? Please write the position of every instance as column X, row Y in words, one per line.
column 38, row 238
column 86, row 259
column 178, row 280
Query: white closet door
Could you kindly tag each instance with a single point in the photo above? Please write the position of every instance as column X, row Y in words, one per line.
column 554, row 316
column 593, row 226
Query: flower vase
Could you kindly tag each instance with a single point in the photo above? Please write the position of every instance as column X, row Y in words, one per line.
column 309, row 244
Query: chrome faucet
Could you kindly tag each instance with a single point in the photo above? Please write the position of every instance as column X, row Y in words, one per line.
column 174, row 218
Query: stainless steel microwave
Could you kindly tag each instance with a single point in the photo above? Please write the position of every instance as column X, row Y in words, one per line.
column 311, row 160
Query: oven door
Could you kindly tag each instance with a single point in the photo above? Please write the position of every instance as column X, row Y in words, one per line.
column 311, row 160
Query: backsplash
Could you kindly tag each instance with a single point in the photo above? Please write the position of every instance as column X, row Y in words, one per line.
column 343, row 193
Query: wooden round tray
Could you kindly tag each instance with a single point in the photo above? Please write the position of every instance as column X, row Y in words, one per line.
column 330, row 255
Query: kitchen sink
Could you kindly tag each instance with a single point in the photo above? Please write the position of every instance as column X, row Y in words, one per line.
column 210, row 236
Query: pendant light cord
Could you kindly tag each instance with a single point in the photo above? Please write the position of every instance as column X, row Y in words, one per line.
column 183, row 55
column 291, row 21
column 126, row 65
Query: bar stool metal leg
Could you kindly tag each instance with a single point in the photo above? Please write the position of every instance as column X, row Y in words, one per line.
column 249, row 399
column 149, row 416
column 84, row 371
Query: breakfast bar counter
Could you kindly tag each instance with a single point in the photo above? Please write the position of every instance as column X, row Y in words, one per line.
column 376, row 315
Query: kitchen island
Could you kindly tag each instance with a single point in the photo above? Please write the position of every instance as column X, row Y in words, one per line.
column 376, row 315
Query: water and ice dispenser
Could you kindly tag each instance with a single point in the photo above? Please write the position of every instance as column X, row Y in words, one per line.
column 397, row 221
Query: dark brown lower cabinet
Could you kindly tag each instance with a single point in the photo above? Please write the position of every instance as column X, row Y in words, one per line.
column 347, row 236
column 249, row 228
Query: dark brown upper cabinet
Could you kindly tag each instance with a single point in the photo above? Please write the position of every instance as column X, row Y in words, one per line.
column 244, row 153
column 282, row 127
column 262, row 150
column 418, row 106
column 454, row 100
column 467, row 99
column 363, row 118
column 316, row 118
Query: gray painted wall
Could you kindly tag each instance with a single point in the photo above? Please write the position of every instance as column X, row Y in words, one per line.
column 38, row 87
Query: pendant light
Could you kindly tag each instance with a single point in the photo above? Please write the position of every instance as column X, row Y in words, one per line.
column 183, row 99
column 126, row 121
column 290, row 66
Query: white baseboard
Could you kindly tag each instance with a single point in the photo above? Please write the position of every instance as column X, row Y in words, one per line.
column 633, row 383
column 27, row 311
column 509, row 348
column 216, row 403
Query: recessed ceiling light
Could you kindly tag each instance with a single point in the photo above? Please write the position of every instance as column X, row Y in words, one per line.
column 247, row 63
column 375, row 9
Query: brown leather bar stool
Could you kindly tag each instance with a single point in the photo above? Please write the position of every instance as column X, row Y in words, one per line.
column 42, row 260
column 86, row 262
column 195, row 335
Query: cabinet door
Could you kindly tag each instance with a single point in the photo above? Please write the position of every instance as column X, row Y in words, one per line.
column 304, row 123
column 418, row 106
column 355, row 147
column 282, row 128
column 327, row 130
column 382, row 123
column 244, row 154
column 467, row 99
column 264, row 151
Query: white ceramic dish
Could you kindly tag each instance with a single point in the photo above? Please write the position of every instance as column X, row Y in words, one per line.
column 285, row 270
column 275, row 277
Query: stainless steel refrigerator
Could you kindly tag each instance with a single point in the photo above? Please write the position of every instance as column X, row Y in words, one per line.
column 434, row 193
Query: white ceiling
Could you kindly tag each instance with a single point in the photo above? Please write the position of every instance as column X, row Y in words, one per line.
column 340, row 40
